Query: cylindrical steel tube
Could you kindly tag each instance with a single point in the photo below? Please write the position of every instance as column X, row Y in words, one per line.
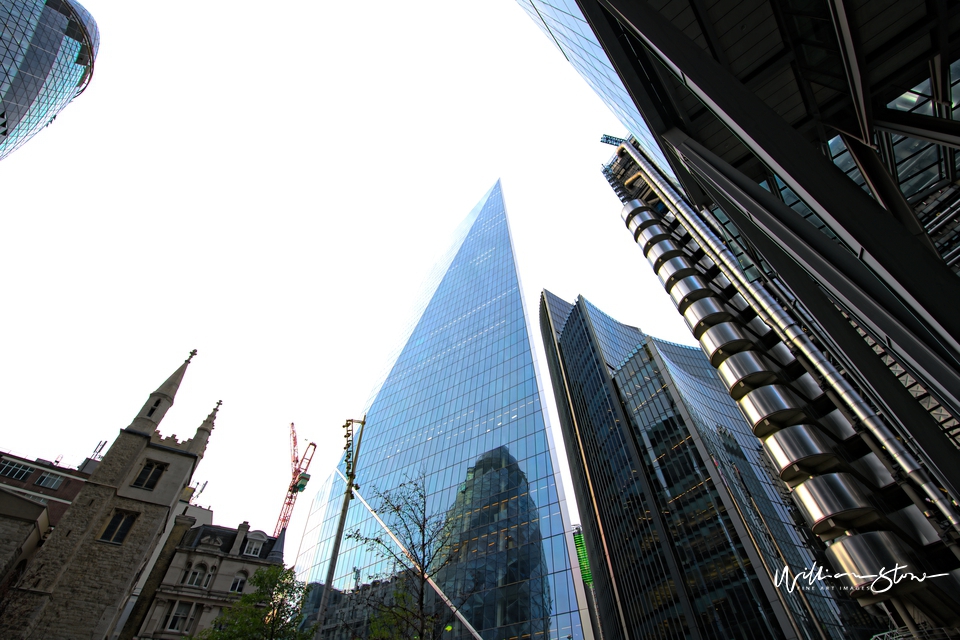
column 789, row 331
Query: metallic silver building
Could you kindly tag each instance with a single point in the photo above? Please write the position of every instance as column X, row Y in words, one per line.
column 810, row 181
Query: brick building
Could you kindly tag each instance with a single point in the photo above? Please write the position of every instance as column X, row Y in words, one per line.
column 44, row 481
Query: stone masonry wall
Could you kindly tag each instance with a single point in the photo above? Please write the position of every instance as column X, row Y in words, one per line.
column 13, row 534
column 142, row 606
column 76, row 581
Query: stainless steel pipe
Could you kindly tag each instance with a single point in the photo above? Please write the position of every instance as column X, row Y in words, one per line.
column 790, row 332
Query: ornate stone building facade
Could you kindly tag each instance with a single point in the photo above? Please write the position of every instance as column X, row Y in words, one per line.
column 209, row 570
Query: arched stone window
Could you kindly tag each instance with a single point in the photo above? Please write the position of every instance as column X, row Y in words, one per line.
column 206, row 581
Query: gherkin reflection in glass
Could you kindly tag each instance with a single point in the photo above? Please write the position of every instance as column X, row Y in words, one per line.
column 461, row 405
column 48, row 49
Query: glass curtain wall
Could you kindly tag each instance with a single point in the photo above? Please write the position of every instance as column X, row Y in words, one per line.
column 461, row 407
column 47, row 50
column 684, row 525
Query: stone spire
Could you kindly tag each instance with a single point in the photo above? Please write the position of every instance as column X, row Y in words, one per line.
column 160, row 400
column 276, row 554
column 199, row 442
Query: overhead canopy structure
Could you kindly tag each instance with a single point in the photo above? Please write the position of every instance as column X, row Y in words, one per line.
column 822, row 136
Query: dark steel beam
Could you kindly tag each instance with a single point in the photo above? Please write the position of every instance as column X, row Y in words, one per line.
column 853, row 66
column 940, row 81
column 802, row 75
column 840, row 273
column 709, row 33
column 879, row 243
column 641, row 80
column 940, row 64
column 916, row 125
column 940, row 18
column 886, row 151
column 886, row 189
column 851, row 349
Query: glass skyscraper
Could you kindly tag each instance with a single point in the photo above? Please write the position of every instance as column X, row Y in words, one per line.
column 47, row 50
column 847, row 269
column 461, row 407
column 685, row 525
column 563, row 22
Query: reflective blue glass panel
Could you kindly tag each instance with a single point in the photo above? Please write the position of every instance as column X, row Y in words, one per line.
column 48, row 49
column 684, row 522
column 461, row 407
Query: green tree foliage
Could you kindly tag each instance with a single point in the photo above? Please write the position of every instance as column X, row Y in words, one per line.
column 272, row 612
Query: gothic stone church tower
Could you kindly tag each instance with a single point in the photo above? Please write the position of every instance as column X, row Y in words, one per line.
column 80, row 578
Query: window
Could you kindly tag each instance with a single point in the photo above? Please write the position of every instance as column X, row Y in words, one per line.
column 239, row 582
column 14, row 470
column 49, row 480
column 153, row 408
column 151, row 472
column 119, row 527
column 180, row 616
column 253, row 548
column 197, row 575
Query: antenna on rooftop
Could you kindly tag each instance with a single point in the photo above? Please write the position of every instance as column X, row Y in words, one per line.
column 98, row 452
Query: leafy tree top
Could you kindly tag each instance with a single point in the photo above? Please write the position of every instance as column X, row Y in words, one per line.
column 273, row 611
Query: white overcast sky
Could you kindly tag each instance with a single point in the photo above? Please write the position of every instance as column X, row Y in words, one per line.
column 269, row 184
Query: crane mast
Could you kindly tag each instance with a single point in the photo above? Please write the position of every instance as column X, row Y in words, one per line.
column 298, row 480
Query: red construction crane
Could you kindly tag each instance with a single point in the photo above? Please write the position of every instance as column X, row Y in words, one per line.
column 298, row 482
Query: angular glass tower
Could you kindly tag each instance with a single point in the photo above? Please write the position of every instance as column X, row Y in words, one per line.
column 461, row 406
column 47, row 50
column 685, row 526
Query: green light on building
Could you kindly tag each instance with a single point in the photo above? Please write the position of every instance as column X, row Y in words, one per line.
column 582, row 557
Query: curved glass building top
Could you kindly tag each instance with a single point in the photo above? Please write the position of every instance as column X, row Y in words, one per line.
column 48, row 49
column 92, row 32
column 461, row 408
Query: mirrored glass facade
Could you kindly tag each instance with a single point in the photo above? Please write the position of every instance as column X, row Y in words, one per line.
column 684, row 525
column 48, row 50
column 461, row 406
column 563, row 22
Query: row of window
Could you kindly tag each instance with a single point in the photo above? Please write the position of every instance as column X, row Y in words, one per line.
column 147, row 479
column 17, row 471
column 199, row 576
